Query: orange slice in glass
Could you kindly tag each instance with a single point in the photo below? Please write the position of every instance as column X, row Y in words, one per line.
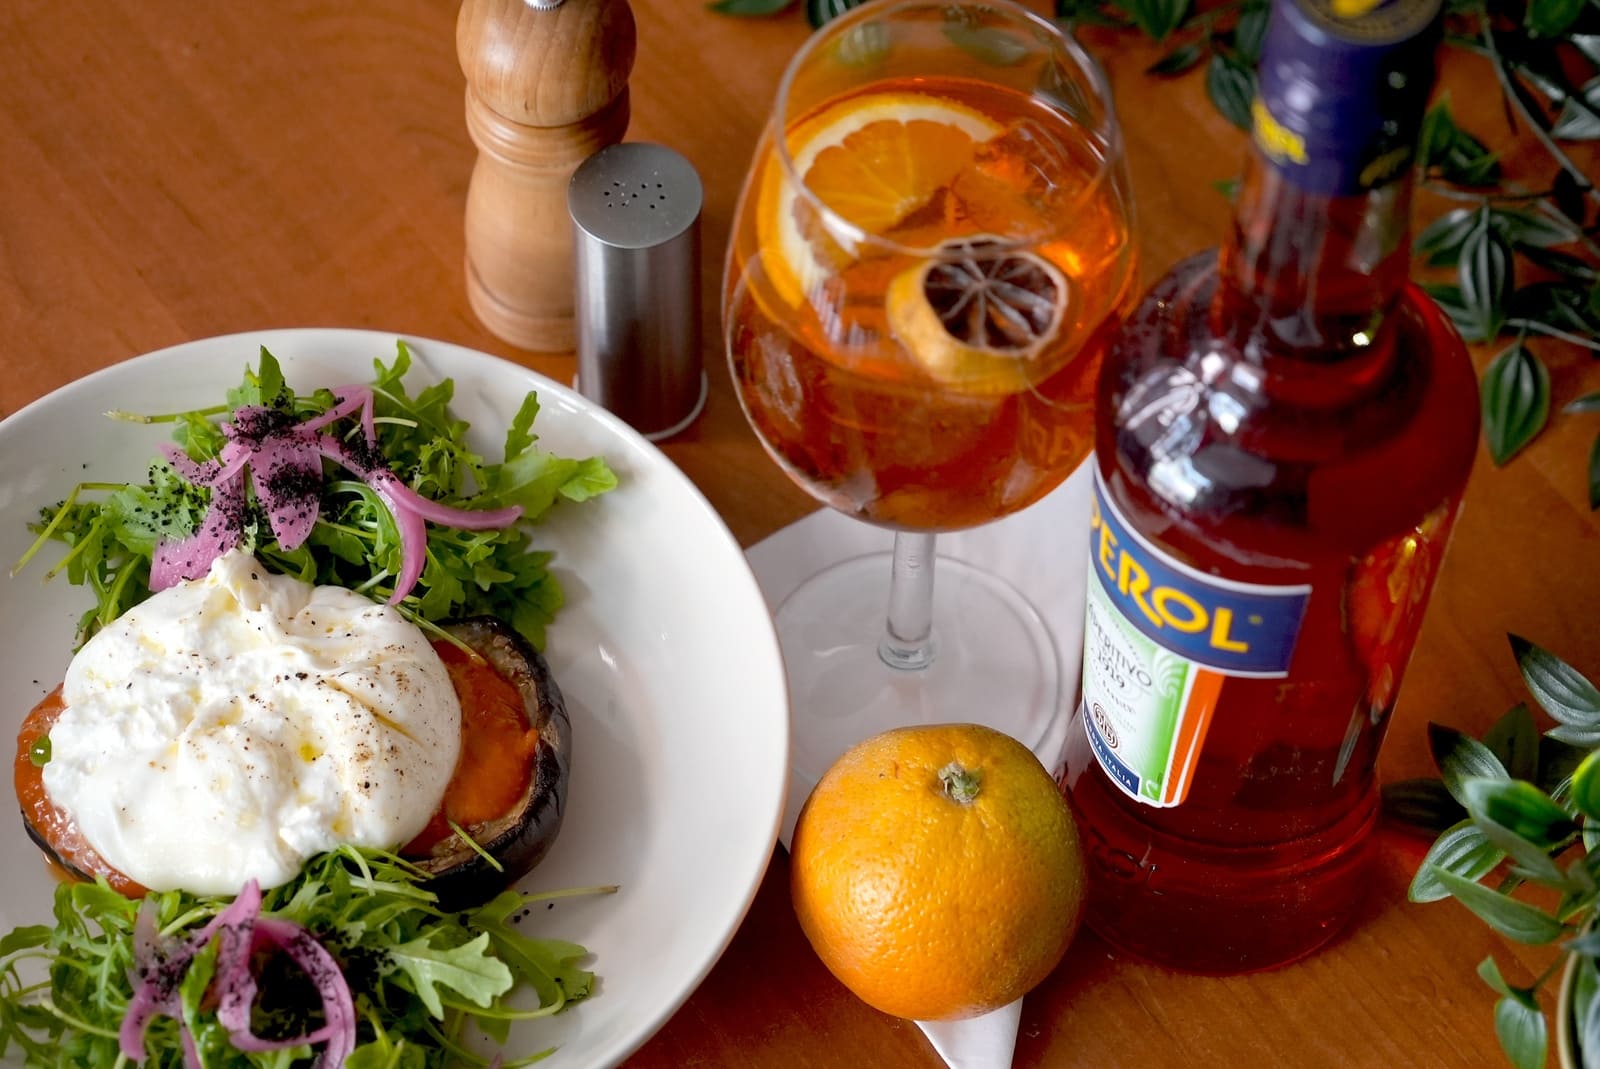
column 979, row 320
column 873, row 159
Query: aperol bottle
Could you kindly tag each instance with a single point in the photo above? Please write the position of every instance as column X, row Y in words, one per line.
column 1285, row 429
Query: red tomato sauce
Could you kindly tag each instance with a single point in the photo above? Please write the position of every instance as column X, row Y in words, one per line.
column 497, row 749
column 52, row 822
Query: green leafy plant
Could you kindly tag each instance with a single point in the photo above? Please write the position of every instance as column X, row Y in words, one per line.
column 1518, row 817
column 1512, row 260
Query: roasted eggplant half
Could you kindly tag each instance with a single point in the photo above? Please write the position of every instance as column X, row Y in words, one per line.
column 504, row 847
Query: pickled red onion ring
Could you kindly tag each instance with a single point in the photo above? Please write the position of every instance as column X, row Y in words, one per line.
column 285, row 468
column 241, row 930
column 409, row 509
column 348, row 398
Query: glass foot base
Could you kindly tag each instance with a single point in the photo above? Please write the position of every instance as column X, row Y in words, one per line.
column 994, row 661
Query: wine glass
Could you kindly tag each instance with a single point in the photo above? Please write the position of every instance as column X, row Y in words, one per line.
column 930, row 253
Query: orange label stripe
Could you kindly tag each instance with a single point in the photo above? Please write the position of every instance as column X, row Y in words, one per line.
column 1202, row 701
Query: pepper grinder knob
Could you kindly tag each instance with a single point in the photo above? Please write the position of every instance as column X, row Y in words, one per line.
column 547, row 87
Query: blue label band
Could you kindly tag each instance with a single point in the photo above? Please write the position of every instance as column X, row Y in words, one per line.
column 1239, row 629
column 1327, row 165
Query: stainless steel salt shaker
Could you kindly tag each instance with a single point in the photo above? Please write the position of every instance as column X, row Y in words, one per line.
column 635, row 209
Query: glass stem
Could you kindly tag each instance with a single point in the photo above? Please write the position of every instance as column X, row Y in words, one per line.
column 908, row 639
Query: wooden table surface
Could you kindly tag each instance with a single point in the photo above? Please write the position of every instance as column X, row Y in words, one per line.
column 175, row 170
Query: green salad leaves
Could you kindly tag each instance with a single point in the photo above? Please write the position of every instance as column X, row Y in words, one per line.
column 420, row 977
column 112, row 529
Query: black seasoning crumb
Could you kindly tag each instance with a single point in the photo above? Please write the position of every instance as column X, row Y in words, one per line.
column 287, row 485
column 364, row 459
column 254, row 426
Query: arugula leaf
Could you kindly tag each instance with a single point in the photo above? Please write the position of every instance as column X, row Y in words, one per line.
column 354, row 543
column 549, row 966
column 467, row 969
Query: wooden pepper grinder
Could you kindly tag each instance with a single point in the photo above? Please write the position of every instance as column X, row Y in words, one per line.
column 547, row 87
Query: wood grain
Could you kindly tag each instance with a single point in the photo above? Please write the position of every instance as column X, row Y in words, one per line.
column 175, row 170
column 546, row 89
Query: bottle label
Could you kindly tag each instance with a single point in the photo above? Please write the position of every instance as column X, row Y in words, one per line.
column 1159, row 639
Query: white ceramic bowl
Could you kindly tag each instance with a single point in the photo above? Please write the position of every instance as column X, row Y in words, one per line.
column 665, row 653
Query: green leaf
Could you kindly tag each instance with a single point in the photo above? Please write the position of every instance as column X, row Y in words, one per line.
column 467, row 969
column 1250, row 32
column 749, row 8
column 1073, row 13
column 1228, row 187
column 23, row 938
column 1489, row 970
column 1594, row 474
column 1464, row 851
column 1516, row 400
column 1157, row 17
column 1559, row 688
column 1437, row 133
column 1455, row 155
column 1231, row 89
column 1441, row 240
column 987, row 44
column 1578, row 119
column 1485, row 273
column 1579, row 737
column 1589, row 402
column 1520, row 1026
column 1551, row 18
column 1511, row 918
column 1578, row 900
column 1537, row 229
column 1421, row 803
column 1520, row 808
column 1460, row 758
column 1514, row 740
column 590, row 478
column 519, row 435
column 819, row 12
column 549, row 966
column 1180, row 59
column 863, row 45
column 1585, row 794
column 1448, row 298
column 1558, row 305
column 1562, row 263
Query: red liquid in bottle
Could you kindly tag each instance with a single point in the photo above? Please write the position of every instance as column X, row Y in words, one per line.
column 1290, row 415
column 1262, row 861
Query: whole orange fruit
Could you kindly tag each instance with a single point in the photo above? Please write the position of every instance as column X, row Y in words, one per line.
column 937, row 871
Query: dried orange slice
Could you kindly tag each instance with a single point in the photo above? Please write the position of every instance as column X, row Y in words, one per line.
column 980, row 319
column 873, row 159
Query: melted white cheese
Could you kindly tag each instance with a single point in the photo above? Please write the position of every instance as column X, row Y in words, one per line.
column 231, row 727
